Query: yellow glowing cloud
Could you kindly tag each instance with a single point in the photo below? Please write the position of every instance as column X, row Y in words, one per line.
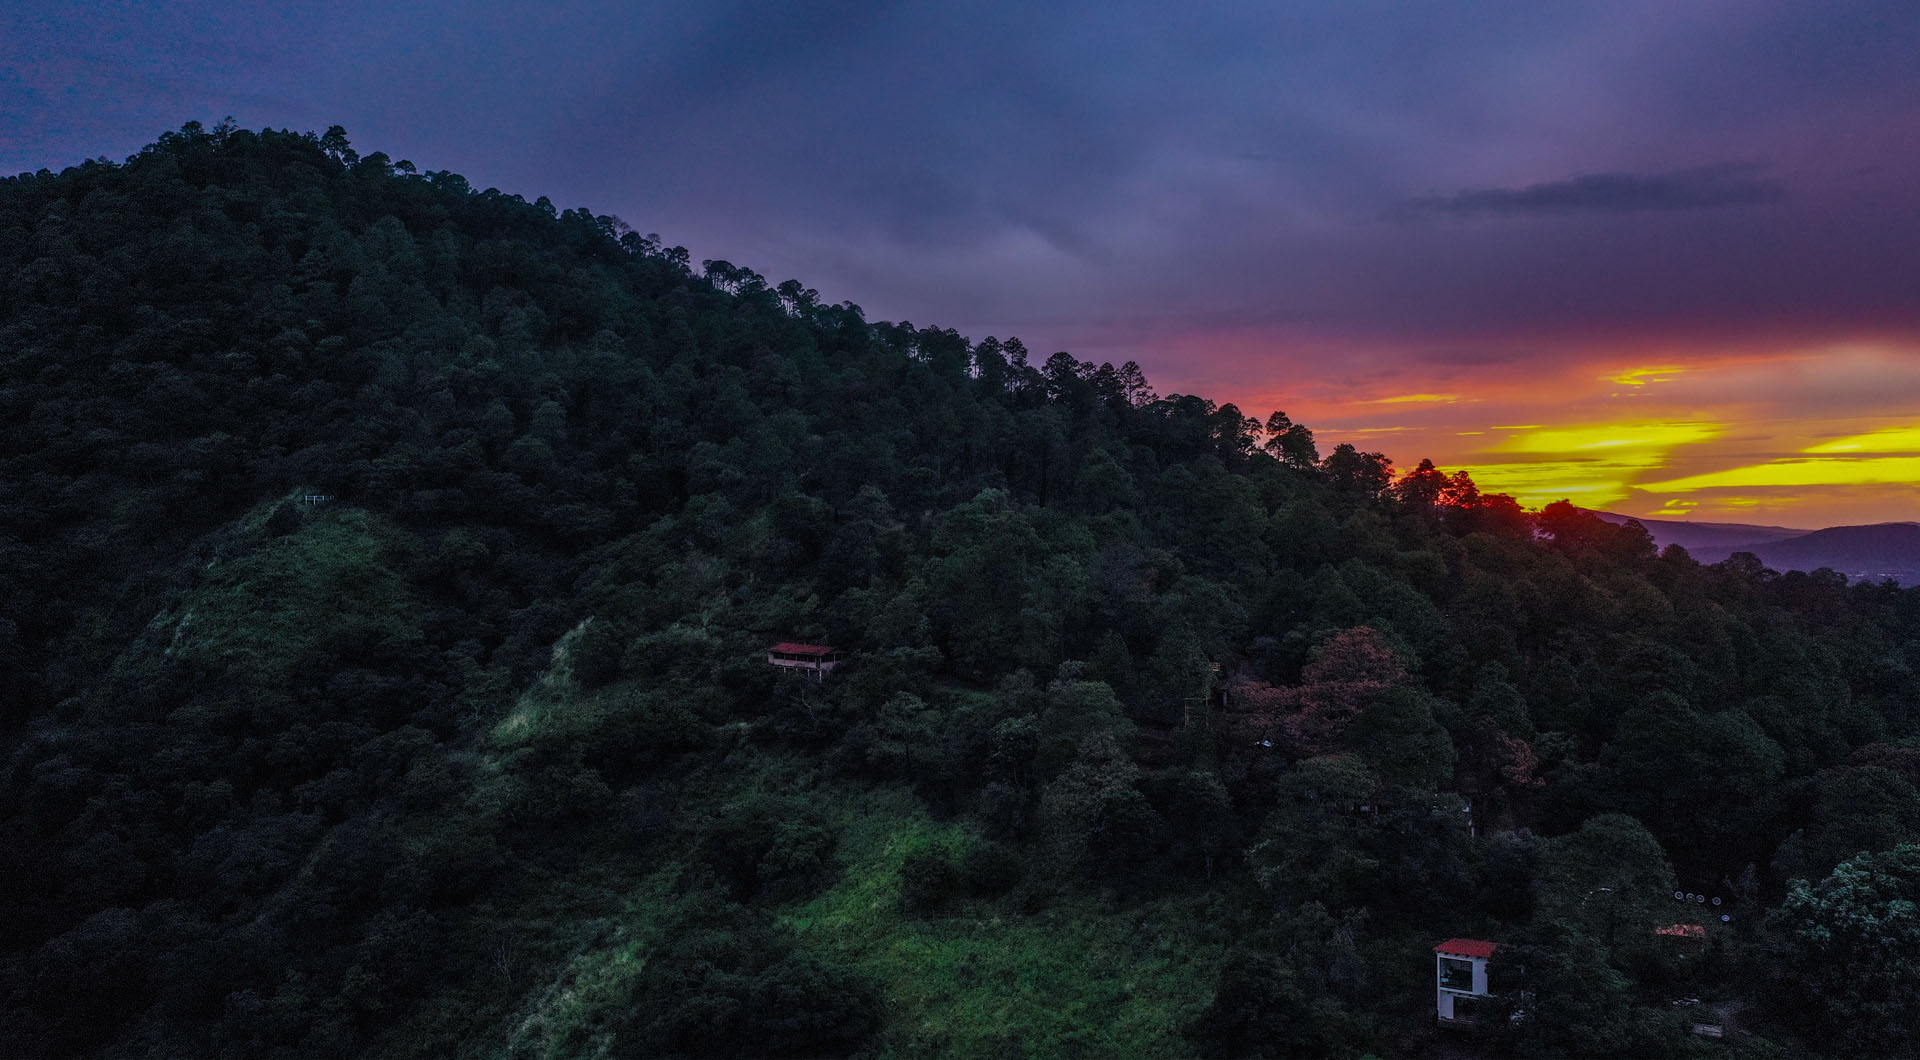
column 1828, row 471
column 1892, row 440
column 1594, row 465
column 1417, row 399
column 1533, row 485
column 1652, row 437
column 1643, row 376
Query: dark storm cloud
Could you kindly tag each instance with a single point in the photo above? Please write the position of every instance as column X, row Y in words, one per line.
column 1703, row 187
column 1112, row 177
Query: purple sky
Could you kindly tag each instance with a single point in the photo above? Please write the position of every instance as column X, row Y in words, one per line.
column 1325, row 208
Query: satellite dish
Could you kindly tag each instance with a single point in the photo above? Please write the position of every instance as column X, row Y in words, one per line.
column 1700, row 898
column 1725, row 919
column 1677, row 895
column 1716, row 901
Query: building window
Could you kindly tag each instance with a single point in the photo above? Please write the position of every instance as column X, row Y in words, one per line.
column 1456, row 975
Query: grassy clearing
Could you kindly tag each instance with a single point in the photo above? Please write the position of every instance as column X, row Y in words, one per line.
column 1078, row 979
column 569, row 1018
column 554, row 694
column 328, row 584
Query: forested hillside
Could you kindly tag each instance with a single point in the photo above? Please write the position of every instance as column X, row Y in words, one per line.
column 388, row 573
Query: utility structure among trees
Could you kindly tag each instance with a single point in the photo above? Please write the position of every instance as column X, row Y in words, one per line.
column 815, row 659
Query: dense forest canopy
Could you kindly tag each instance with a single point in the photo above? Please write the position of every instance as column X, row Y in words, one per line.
column 389, row 567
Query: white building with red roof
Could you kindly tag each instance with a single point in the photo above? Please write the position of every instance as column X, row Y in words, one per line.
column 1460, row 981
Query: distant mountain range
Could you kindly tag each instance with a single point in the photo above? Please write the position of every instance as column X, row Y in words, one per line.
column 1870, row 553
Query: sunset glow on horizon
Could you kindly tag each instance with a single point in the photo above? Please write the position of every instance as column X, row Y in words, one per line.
column 1814, row 437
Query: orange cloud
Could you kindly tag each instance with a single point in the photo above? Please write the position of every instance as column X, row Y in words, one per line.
column 1643, row 376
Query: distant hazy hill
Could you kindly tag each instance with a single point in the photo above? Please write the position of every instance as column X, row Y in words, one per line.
column 1695, row 537
column 1882, row 550
column 1871, row 553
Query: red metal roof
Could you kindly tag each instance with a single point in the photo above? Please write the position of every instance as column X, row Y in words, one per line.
column 1682, row 931
column 1467, row 948
column 787, row 648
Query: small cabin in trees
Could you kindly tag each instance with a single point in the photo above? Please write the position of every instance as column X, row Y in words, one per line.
column 1683, row 932
column 1460, row 981
column 816, row 660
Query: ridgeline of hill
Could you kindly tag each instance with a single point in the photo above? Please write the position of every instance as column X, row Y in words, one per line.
column 1871, row 553
column 389, row 567
column 1701, row 538
column 1863, row 553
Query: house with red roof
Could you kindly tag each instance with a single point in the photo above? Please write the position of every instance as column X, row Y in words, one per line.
column 1460, row 981
column 815, row 660
column 1683, row 931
